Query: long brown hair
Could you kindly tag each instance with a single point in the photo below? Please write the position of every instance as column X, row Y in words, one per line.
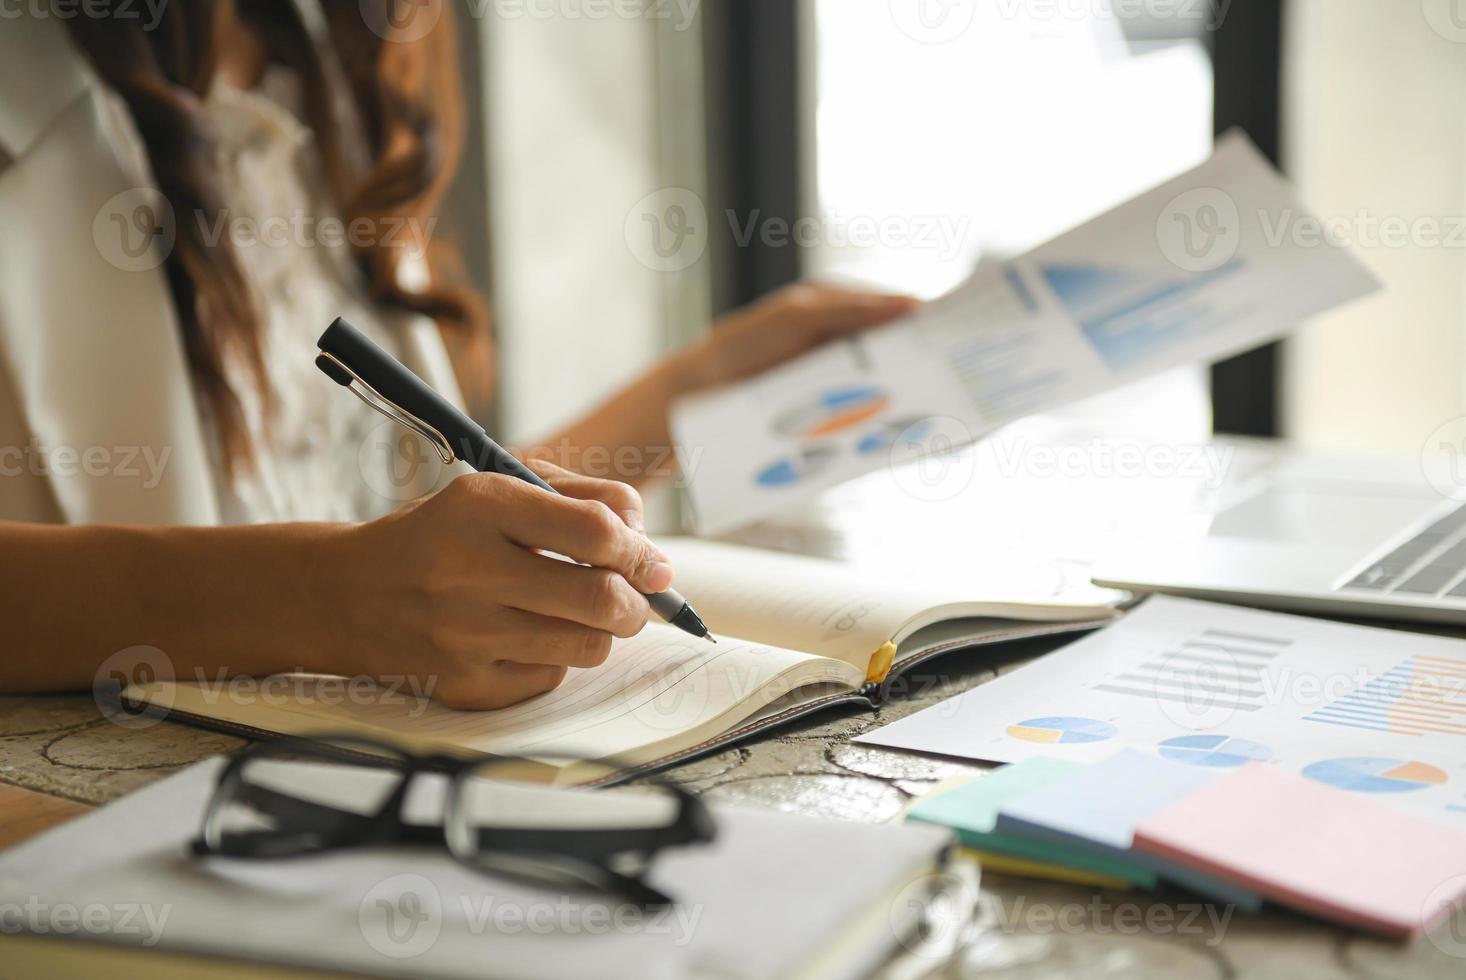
column 405, row 87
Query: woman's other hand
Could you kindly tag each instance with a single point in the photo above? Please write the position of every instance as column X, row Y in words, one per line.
column 787, row 323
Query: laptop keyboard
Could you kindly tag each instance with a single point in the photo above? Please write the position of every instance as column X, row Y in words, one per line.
column 1432, row 563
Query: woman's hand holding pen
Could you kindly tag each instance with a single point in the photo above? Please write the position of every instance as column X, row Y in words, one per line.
column 454, row 589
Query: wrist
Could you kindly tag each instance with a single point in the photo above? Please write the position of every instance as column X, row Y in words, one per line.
column 283, row 595
column 690, row 369
column 327, row 584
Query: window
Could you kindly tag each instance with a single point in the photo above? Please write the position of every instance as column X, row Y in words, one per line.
column 944, row 132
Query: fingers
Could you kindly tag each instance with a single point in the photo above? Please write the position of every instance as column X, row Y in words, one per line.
column 832, row 311
column 865, row 316
column 501, row 685
column 517, row 682
column 554, row 642
column 597, row 598
column 620, row 497
column 587, row 531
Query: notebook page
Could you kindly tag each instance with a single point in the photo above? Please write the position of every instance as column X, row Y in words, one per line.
column 654, row 688
column 803, row 603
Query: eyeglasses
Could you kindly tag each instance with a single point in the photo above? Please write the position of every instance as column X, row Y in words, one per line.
column 294, row 797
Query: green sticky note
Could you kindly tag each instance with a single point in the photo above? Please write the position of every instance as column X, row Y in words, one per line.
column 972, row 811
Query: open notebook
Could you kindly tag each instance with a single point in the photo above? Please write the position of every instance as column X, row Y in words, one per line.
column 795, row 635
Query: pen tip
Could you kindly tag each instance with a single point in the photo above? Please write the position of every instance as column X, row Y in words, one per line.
column 710, row 638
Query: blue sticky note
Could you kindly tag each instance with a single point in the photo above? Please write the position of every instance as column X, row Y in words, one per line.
column 1101, row 805
column 972, row 810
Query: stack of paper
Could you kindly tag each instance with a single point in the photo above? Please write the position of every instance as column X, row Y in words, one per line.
column 1186, row 273
column 1238, row 835
column 1379, row 713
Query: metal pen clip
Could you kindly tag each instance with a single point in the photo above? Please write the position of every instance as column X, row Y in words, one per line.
column 379, row 402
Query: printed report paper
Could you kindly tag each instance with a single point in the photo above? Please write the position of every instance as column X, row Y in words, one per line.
column 1377, row 712
column 1212, row 263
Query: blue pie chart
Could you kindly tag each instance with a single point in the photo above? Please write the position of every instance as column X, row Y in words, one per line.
column 786, row 472
column 1063, row 730
column 1368, row 775
column 1215, row 751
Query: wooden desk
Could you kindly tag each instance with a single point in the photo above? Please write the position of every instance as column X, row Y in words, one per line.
column 1039, row 530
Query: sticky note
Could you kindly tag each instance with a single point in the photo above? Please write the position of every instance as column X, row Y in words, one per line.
column 1318, row 849
column 1100, row 806
column 972, row 811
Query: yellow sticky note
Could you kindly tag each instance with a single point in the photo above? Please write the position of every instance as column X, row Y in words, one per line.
column 1020, row 868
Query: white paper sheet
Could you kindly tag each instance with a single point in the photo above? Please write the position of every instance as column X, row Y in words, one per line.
column 1379, row 711
column 770, row 893
column 1215, row 262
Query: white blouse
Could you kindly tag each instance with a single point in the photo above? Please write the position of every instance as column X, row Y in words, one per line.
column 321, row 454
column 100, row 421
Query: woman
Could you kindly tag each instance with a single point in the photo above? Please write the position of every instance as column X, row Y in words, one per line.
column 176, row 474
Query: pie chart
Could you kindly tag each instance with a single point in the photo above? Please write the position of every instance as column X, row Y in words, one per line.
column 913, row 431
column 1367, row 775
column 832, row 412
column 1216, row 751
column 803, row 463
column 1061, row 730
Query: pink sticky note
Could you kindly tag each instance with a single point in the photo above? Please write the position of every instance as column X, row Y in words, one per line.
column 1321, row 850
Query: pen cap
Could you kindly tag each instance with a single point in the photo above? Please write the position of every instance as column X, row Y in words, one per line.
column 397, row 384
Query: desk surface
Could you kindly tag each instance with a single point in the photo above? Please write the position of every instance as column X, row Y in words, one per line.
column 61, row 747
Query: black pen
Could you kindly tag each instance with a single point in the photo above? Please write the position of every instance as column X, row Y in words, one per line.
column 379, row 379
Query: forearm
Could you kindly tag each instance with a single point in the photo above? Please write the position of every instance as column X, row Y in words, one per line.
column 245, row 601
column 626, row 437
column 773, row 331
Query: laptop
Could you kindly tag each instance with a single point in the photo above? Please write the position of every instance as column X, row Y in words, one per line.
column 1308, row 533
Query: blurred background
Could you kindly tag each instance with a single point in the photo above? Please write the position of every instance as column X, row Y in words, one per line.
column 662, row 161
